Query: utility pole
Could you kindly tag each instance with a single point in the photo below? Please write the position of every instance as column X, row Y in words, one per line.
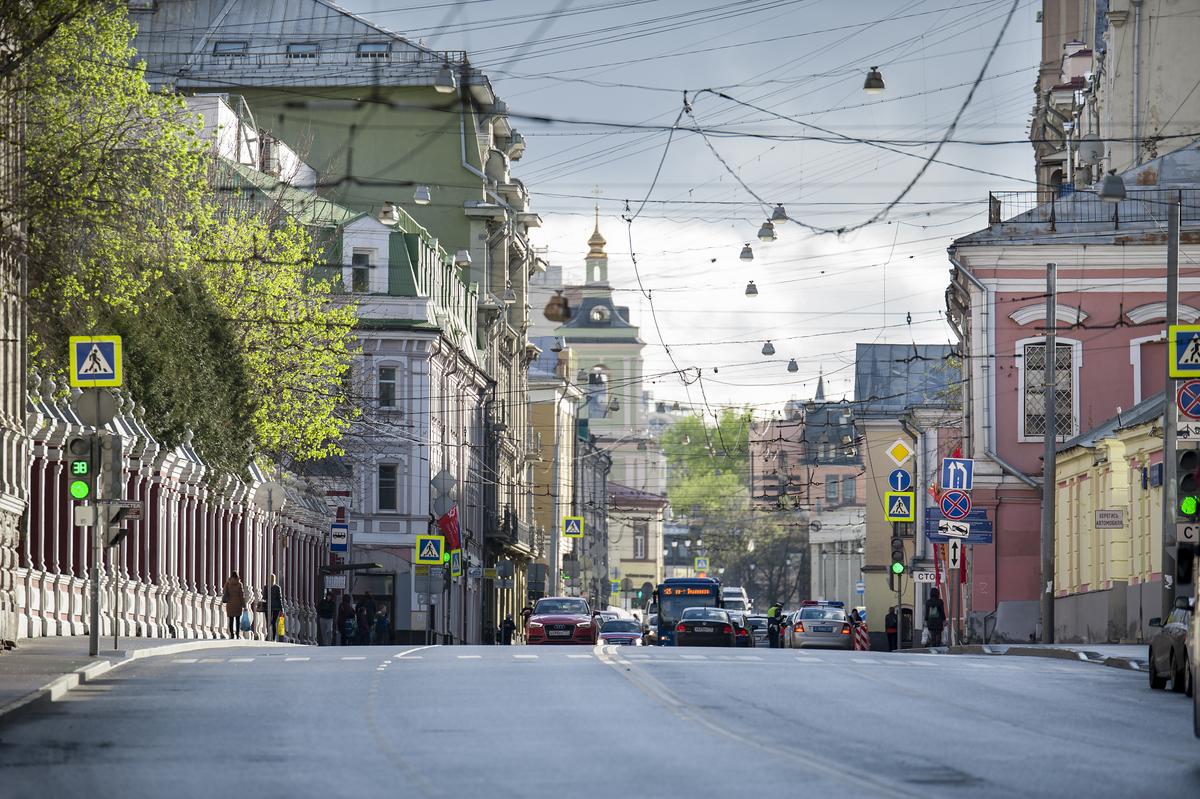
column 1170, row 486
column 1049, row 438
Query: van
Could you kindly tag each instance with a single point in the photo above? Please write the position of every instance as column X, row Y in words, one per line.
column 735, row 598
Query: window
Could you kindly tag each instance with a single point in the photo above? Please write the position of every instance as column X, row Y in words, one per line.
column 849, row 489
column 387, row 387
column 374, row 50
column 831, row 489
column 229, row 48
column 361, row 265
column 302, row 50
column 387, row 487
column 1033, row 369
column 640, row 533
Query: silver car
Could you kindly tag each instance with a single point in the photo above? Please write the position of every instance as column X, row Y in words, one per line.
column 820, row 625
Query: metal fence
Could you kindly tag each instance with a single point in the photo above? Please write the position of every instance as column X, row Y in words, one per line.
column 1085, row 207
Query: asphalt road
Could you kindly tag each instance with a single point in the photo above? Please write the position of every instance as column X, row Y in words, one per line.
column 579, row 722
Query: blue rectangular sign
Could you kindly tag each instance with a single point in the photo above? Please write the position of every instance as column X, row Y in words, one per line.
column 974, row 538
column 974, row 515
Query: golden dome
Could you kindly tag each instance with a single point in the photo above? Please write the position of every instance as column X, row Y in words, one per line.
column 597, row 242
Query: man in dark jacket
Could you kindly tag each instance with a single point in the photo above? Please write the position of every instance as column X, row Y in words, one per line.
column 935, row 617
column 367, row 603
column 345, row 610
column 273, row 602
column 774, row 620
column 325, row 610
column 507, row 628
column 889, row 625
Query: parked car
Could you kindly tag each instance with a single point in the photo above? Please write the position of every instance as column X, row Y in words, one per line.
column 562, row 620
column 743, row 633
column 820, row 625
column 1168, row 649
column 704, row 627
column 650, row 630
column 759, row 625
column 623, row 632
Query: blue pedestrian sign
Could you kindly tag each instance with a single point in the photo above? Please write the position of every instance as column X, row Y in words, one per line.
column 95, row 361
column 573, row 526
column 339, row 537
column 899, row 480
column 957, row 473
column 898, row 506
column 430, row 548
column 955, row 505
column 1183, row 341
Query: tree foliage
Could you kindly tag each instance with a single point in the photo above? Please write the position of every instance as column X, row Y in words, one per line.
column 221, row 331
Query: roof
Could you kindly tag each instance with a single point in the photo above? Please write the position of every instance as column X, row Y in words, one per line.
column 891, row 378
column 249, row 189
column 1146, row 411
column 618, row 492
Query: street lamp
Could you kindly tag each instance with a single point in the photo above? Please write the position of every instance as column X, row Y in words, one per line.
column 766, row 232
column 768, row 349
column 422, row 196
column 874, row 82
column 388, row 215
column 463, row 258
column 1112, row 189
column 751, row 289
column 445, row 82
column 747, row 253
column 779, row 216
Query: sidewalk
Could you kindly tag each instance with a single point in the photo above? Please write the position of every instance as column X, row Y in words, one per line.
column 1119, row 656
column 43, row 669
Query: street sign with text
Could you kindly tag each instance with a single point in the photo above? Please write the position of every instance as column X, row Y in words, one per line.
column 953, row 529
column 924, row 577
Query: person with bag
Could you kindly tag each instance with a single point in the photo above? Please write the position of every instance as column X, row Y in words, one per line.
column 233, row 600
column 273, row 607
column 935, row 617
column 382, row 626
column 325, row 610
column 364, row 626
column 345, row 613
column 890, row 626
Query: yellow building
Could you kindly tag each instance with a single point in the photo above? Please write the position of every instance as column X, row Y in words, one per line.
column 635, row 541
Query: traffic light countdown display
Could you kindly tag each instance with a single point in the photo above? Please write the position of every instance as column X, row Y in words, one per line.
column 897, row 555
column 82, row 466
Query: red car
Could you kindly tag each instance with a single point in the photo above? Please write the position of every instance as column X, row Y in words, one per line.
column 562, row 620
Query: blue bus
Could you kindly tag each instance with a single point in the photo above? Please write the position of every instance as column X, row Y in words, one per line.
column 675, row 595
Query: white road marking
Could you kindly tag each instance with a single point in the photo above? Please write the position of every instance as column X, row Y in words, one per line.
column 575, row 656
column 922, row 662
column 747, row 657
column 864, row 660
column 185, row 660
column 213, row 660
column 526, row 656
column 295, row 658
column 241, row 660
column 809, row 660
column 981, row 665
column 469, row 657
column 354, row 658
column 693, row 657
column 626, row 662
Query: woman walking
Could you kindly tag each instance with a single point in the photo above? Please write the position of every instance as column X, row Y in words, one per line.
column 234, row 600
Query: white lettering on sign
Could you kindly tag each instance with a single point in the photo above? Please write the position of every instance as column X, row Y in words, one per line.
column 1110, row 519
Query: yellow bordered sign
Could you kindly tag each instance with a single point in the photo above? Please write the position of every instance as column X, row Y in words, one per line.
column 430, row 548
column 899, row 506
column 573, row 526
column 1183, row 358
column 95, row 361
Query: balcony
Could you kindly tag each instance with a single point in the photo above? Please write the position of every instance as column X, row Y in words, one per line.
column 1022, row 212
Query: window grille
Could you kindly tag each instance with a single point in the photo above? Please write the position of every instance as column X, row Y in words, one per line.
column 1034, row 375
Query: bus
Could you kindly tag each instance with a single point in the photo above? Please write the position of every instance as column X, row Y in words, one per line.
column 676, row 594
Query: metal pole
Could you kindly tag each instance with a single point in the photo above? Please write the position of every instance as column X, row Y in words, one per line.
column 97, row 547
column 1170, row 502
column 1049, row 439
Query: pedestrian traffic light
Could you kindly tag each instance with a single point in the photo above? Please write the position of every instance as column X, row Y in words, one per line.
column 1187, row 462
column 897, row 555
column 82, row 465
column 1185, row 565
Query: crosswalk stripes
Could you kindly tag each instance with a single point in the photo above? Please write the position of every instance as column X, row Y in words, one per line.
column 241, row 660
column 526, row 656
column 469, row 657
column 361, row 658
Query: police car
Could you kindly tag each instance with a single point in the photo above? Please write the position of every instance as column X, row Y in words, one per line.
column 819, row 625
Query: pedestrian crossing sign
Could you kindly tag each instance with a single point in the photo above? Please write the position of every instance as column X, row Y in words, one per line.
column 95, row 361
column 573, row 527
column 898, row 506
column 456, row 563
column 1184, row 357
column 614, row 587
column 430, row 548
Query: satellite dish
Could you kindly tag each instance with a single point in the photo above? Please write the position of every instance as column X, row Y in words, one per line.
column 1091, row 148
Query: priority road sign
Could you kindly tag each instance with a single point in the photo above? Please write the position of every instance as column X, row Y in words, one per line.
column 1183, row 343
column 956, row 505
column 573, row 526
column 899, row 506
column 899, row 480
column 430, row 548
column 1188, row 399
column 96, row 361
column 957, row 473
column 900, row 451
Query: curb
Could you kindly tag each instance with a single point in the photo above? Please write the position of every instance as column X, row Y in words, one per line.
column 59, row 687
column 1128, row 664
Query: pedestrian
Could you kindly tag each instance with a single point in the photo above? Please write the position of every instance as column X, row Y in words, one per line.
column 345, row 615
column 368, row 602
column 234, row 600
column 935, row 617
column 364, row 626
column 507, row 628
column 889, row 626
column 325, row 610
column 273, row 603
column 774, row 619
column 382, row 627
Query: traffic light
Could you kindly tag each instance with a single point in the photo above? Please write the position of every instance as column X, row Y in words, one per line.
column 897, row 555
column 1185, row 565
column 1187, row 461
column 83, row 463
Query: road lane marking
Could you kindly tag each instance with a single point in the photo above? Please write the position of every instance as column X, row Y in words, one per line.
column 693, row 657
column 408, row 653
column 212, row 660
column 809, row 660
column 295, row 658
column 747, row 657
column 241, row 660
column 185, row 660
column 469, row 657
column 582, row 656
column 864, row 660
column 534, row 657
column 362, row 658
column 981, row 665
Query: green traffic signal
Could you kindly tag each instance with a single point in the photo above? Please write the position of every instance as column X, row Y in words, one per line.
column 82, row 465
column 1189, row 505
column 81, row 489
column 445, row 557
column 897, row 568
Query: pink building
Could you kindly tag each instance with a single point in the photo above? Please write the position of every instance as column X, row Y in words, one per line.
column 1111, row 354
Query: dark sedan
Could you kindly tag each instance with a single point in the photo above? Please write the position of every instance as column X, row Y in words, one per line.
column 705, row 627
column 1168, row 650
column 743, row 633
column 623, row 632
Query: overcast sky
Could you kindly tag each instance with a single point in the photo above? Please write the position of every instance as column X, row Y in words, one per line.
column 793, row 127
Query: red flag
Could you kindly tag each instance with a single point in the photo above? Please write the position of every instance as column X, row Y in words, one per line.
column 937, row 564
column 957, row 452
column 449, row 525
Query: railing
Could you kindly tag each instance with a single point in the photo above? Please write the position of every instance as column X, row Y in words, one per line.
column 325, row 60
column 1086, row 208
